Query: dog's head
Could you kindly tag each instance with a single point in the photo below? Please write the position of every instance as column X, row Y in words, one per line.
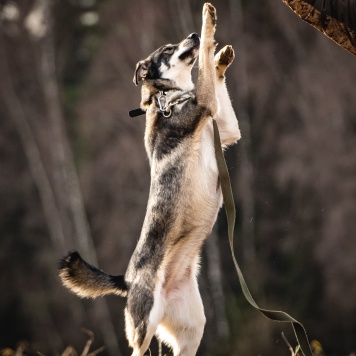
column 171, row 62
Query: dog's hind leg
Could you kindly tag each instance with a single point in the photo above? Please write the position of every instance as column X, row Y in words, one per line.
column 226, row 118
column 140, row 350
column 183, row 324
column 139, row 337
column 143, row 313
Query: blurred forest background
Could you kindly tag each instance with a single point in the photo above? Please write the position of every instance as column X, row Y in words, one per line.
column 74, row 174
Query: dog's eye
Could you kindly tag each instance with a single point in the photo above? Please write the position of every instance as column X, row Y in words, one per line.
column 169, row 50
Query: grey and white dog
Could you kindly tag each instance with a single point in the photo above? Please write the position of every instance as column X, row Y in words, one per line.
column 160, row 283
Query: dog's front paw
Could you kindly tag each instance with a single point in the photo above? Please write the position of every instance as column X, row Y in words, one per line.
column 223, row 59
column 209, row 14
column 225, row 56
column 209, row 21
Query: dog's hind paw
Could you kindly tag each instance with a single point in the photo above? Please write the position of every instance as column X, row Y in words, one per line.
column 223, row 59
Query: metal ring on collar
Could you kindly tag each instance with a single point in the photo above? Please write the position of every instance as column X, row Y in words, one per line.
column 167, row 113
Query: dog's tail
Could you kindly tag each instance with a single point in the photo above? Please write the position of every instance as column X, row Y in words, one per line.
column 87, row 281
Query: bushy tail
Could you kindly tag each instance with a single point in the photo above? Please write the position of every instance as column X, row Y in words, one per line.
column 87, row 281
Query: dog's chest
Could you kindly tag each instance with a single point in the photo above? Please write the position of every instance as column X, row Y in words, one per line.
column 165, row 134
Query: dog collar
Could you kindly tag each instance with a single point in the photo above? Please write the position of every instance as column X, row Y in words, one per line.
column 165, row 106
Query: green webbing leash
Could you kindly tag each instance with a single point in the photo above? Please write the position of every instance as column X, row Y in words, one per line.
column 229, row 204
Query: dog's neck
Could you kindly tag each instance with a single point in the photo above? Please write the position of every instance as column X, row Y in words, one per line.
column 153, row 88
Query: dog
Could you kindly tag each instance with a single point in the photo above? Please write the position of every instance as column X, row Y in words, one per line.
column 160, row 283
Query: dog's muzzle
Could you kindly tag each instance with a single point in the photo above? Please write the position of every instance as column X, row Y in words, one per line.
column 191, row 45
column 193, row 36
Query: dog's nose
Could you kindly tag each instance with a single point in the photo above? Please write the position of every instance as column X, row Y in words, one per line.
column 193, row 36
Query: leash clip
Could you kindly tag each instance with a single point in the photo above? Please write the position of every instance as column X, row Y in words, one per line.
column 164, row 108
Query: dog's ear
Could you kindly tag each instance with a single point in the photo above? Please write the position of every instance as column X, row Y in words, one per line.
column 141, row 71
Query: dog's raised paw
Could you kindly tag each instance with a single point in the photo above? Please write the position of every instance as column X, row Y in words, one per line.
column 223, row 59
column 225, row 56
column 209, row 12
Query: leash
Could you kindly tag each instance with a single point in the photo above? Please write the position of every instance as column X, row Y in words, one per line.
column 136, row 112
column 229, row 204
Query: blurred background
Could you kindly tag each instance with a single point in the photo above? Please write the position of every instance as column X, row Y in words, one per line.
column 74, row 173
